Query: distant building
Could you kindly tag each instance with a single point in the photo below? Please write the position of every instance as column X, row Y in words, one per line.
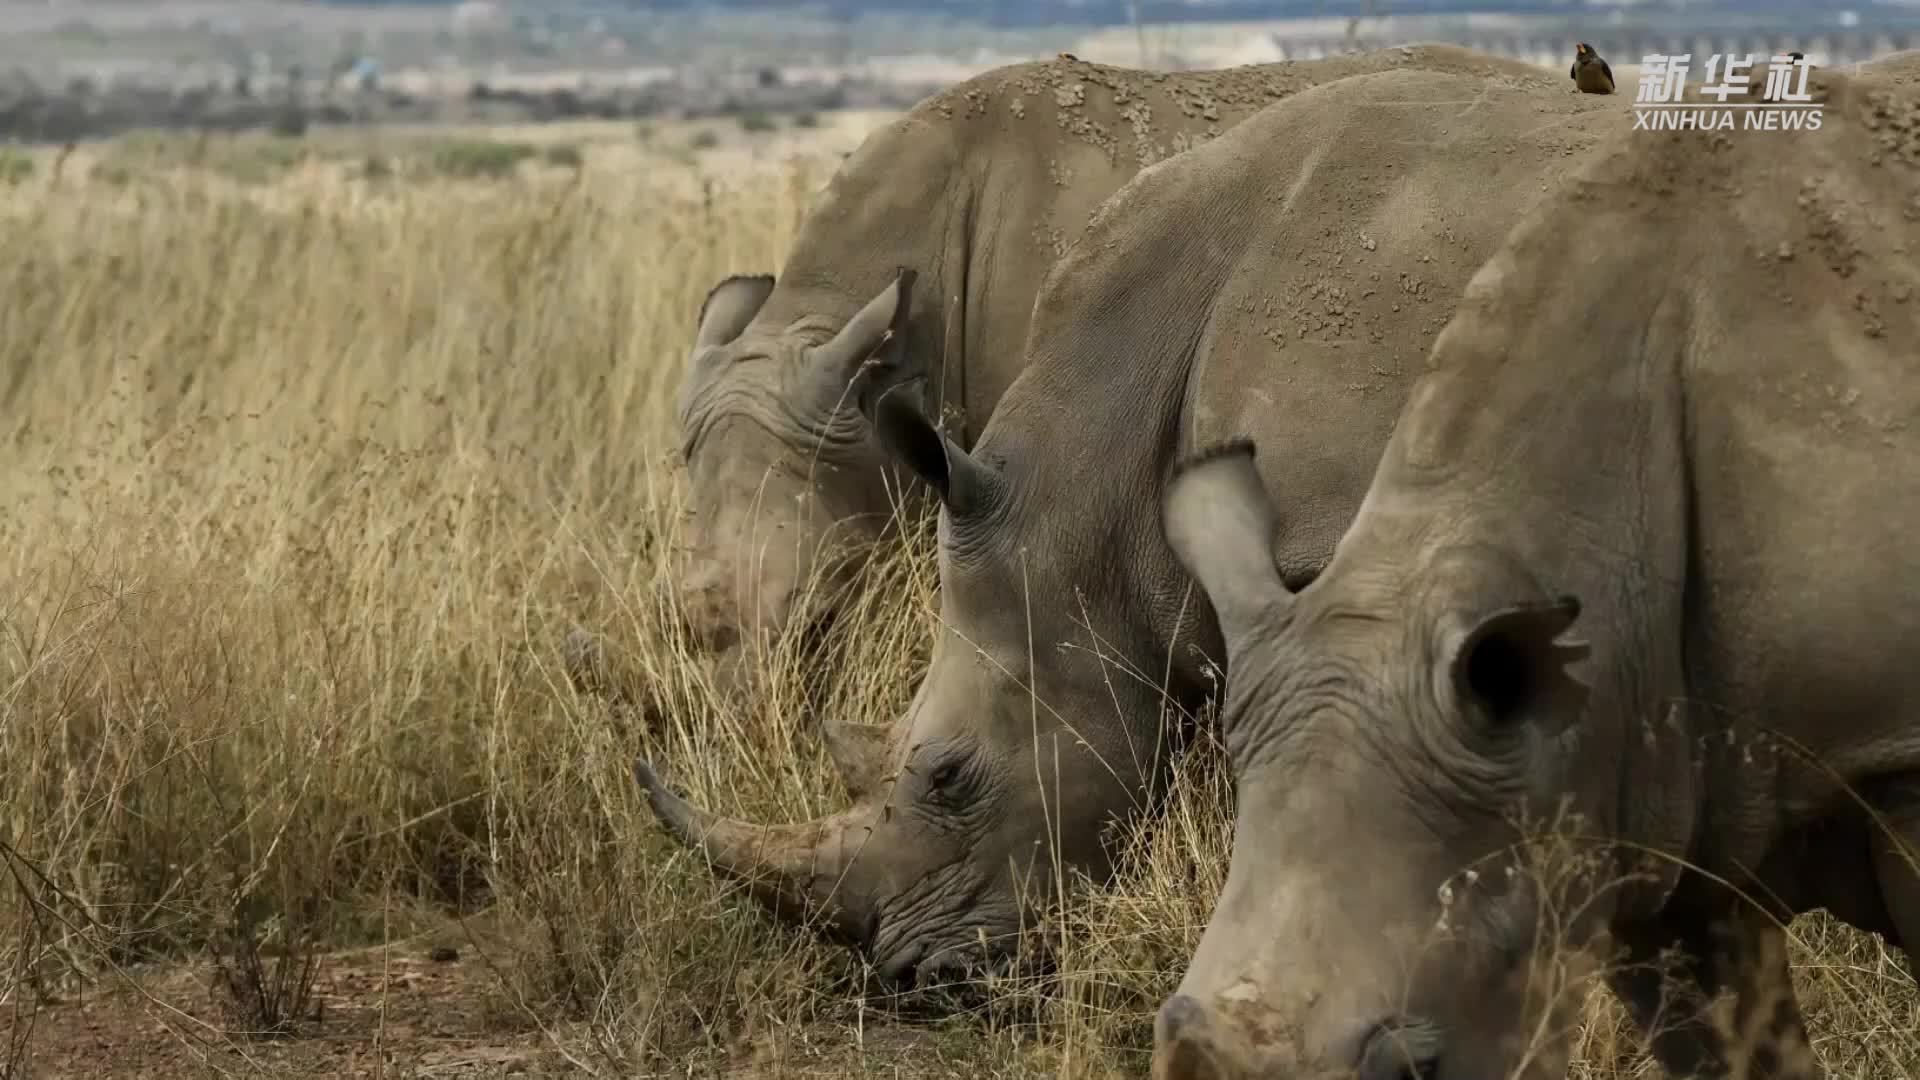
column 478, row 17
column 1258, row 49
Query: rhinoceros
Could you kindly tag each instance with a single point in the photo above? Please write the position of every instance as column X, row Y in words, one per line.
column 978, row 190
column 1284, row 278
column 1633, row 583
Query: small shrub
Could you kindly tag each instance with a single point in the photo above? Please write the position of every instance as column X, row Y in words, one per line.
column 807, row 120
column 704, row 139
column 267, row 965
column 15, row 165
column 376, row 168
column 756, row 122
column 282, row 153
column 480, row 157
column 565, row 156
column 290, row 123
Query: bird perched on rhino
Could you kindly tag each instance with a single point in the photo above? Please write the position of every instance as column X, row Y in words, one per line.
column 1589, row 72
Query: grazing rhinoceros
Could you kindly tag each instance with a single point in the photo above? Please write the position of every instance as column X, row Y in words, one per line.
column 978, row 190
column 1637, row 573
column 1286, row 278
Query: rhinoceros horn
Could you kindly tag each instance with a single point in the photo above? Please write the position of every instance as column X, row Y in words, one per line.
column 800, row 873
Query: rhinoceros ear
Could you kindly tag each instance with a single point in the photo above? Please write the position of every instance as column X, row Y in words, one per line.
column 911, row 439
column 1221, row 524
column 1513, row 665
column 875, row 340
column 729, row 307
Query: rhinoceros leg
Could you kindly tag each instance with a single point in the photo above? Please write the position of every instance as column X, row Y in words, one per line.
column 1896, row 863
column 1744, row 955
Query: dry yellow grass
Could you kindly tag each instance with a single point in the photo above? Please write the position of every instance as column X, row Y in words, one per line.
column 301, row 485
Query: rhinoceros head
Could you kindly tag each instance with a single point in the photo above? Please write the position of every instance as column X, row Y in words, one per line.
column 783, row 474
column 1382, row 725
column 1029, row 735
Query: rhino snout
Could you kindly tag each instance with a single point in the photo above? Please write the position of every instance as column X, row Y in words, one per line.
column 918, row 966
column 1191, row 1042
column 900, row 969
column 708, row 613
column 1195, row 1041
column 721, row 617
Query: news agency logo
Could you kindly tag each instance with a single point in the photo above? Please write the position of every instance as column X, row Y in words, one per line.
column 1784, row 105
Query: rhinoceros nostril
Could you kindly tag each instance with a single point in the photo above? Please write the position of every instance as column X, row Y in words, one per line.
column 710, row 626
column 897, row 971
column 1183, row 1042
column 1180, row 1016
column 947, row 971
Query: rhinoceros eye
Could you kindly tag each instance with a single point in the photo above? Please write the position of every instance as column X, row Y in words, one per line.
column 944, row 776
column 947, row 772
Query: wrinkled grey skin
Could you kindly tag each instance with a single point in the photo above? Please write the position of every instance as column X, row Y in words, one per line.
column 979, row 189
column 1645, row 526
column 1282, row 279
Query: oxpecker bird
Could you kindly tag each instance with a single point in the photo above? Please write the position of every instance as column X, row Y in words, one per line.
column 1589, row 72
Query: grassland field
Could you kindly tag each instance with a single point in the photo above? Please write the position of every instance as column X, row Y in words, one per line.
column 310, row 455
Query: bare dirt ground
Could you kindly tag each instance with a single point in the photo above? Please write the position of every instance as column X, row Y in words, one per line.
column 376, row 1013
column 429, row 1007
